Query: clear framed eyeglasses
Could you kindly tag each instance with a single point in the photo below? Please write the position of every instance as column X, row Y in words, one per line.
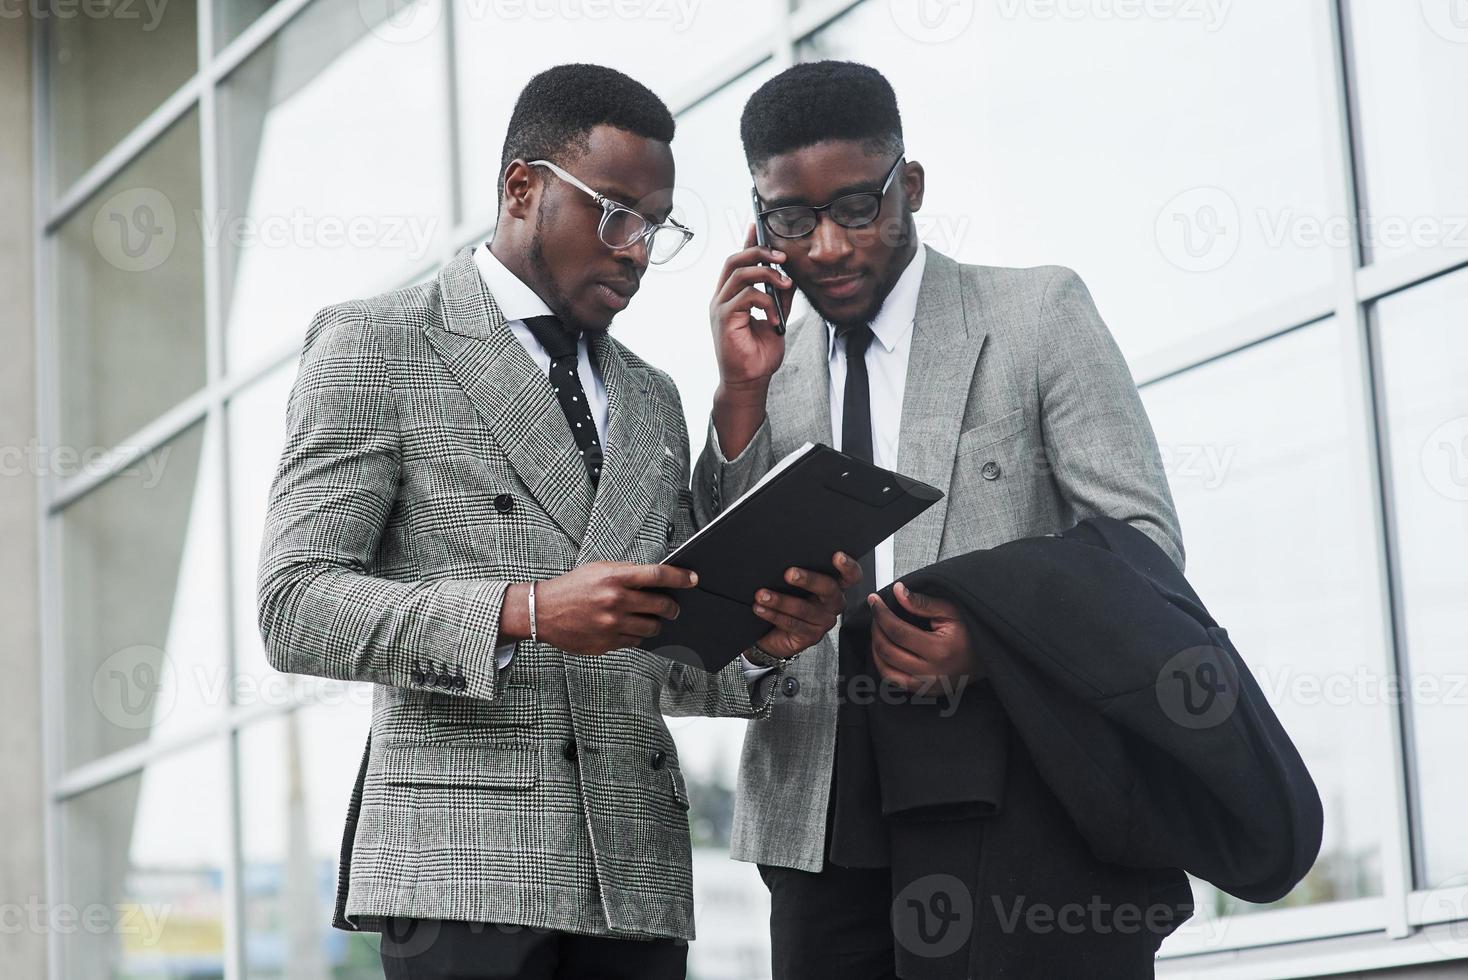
column 621, row 226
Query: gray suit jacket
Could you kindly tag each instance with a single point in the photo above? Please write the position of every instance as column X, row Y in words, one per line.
column 427, row 466
column 1020, row 408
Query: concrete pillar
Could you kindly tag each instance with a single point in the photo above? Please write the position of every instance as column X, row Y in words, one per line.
column 22, row 804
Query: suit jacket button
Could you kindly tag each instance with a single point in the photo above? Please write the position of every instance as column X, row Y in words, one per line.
column 991, row 470
column 658, row 758
column 792, row 687
column 671, row 534
column 504, row 503
column 569, row 751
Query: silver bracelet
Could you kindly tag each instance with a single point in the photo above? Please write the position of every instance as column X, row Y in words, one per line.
column 534, row 635
column 762, row 659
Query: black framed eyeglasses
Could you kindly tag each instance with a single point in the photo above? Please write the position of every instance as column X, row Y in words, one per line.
column 849, row 211
column 621, row 226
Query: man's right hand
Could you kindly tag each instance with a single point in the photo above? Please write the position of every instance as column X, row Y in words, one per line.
column 596, row 607
column 748, row 350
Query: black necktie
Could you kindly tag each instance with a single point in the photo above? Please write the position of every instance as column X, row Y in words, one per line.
column 560, row 344
column 856, row 439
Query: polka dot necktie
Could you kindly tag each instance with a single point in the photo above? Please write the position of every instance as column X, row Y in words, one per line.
column 560, row 344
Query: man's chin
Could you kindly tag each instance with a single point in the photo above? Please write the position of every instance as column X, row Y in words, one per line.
column 847, row 315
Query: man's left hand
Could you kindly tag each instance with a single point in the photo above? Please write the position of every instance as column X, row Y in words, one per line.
column 914, row 658
column 799, row 623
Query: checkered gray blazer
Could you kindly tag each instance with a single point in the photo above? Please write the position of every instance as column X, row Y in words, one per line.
column 427, row 465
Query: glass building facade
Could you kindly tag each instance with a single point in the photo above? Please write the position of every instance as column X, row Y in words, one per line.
column 1268, row 200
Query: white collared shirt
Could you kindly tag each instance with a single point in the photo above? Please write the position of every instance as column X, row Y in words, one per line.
column 518, row 302
column 886, row 362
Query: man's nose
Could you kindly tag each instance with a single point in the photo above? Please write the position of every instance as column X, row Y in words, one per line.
column 829, row 243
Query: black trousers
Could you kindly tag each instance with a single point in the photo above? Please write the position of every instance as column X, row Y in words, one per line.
column 835, row 923
column 441, row 949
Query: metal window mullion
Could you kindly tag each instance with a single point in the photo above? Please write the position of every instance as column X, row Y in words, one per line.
column 48, row 539
column 814, row 15
column 1367, row 449
column 1393, row 275
column 168, row 112
column 216, row 430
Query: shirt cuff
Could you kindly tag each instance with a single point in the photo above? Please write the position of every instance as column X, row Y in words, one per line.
column 503, row 654
column 752, row 672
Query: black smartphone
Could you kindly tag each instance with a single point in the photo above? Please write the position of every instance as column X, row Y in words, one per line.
column 762, row 240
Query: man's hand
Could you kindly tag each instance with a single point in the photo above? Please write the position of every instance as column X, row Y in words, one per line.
column 596, row 607
column 800, row 623
column 914, row 658
column 748, row 351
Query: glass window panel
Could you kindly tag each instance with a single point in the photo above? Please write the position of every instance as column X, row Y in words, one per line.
column 668, row 321
column 233, row 16
column 1276, row 518
column 256, row 437
column 334, row 175
column 1174, row 161
column 143, row 861
column 1409, row 70
column 502, row 43
column 110, row 66
column 142, row 588
column 130, row 297
column 296, row 773
column 1424, row 351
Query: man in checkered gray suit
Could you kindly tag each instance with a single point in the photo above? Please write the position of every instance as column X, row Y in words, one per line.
column 476, row 487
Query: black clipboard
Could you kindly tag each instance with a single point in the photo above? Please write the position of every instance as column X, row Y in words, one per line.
column 813, row 503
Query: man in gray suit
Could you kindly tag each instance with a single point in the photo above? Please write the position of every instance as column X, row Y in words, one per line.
column 1001, row 387
column 477, row 485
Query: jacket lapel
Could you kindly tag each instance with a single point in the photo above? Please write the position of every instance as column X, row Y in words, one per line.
column 511, row 394
column 633, row 459
column 946, row 342
column 805, row 374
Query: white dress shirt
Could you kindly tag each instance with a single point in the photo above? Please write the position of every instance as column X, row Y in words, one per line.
column 886, row 361
column 517, row 302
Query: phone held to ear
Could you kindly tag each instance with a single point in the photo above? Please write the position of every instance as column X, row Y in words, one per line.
column 762, row 240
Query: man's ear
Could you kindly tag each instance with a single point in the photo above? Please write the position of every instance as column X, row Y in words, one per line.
column 914, row 183
column 522, row 190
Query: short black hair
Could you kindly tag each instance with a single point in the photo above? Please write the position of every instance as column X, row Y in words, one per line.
column 816, row 101
column 559, row 107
